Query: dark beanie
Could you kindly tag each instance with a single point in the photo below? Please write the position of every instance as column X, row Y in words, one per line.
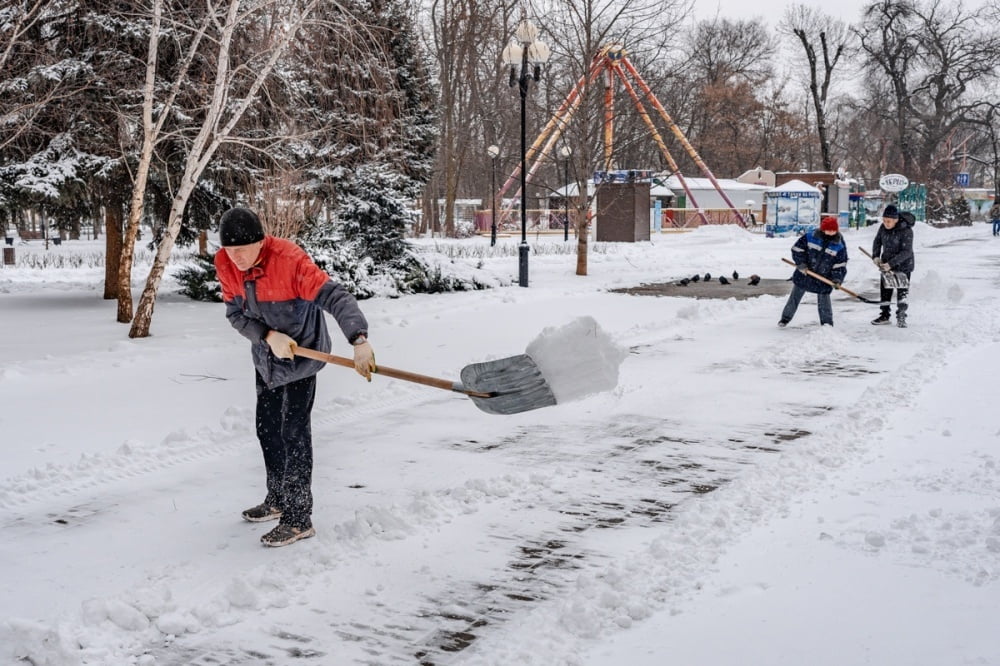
column 240, row 226
column 890, row 211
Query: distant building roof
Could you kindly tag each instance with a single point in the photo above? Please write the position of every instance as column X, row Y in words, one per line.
column 574, row 188
column 797, row 187
column 727, row 184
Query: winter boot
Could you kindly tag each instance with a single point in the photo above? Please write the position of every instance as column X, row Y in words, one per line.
column 783, row 323
column 901, row 320
column 282, row 535
column 261, row 513
column 881, row 320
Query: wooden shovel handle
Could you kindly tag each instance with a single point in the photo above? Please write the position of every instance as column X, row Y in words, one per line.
column 405, row 375
column 823, row 279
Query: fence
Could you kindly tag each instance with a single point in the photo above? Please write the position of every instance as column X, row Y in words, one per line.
column 552, row 219
column 537, row 220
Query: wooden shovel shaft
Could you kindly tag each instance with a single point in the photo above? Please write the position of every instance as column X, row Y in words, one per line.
column 392, row 372
column 829, row 282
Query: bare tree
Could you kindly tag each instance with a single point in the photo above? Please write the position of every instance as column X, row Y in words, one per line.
column 724, row 49
column 930, row 58
column 283, row 206
column 825, row 41
column 151, row 134
column 459, row 29
column 222, row 113
column 579, row 31
column 729, row 71
column 986, row 119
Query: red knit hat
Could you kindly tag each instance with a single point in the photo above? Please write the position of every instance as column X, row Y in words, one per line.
column 829, row 223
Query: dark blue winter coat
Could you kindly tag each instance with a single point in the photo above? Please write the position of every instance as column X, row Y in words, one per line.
column 822, row 254
column 895, row 246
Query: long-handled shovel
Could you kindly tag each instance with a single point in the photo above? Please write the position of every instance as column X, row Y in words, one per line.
column 505, row 386
column 831, row 283
column 891, row 279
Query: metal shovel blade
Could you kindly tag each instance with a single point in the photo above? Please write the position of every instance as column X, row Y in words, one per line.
column 515, row 385
column 894, row 280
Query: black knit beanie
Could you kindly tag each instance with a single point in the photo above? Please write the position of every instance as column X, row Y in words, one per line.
column 240, row 226
column 891, row 211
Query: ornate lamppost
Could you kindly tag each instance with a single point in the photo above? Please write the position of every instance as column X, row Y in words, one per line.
column 526, row 50
column 493, row 151
column 566, row 151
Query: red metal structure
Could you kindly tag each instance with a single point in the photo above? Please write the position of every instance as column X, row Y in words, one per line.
column 614, row 64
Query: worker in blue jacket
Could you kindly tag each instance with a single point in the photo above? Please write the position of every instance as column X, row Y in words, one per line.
column 823, row 252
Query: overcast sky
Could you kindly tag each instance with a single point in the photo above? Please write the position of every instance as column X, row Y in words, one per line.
column 772, row 10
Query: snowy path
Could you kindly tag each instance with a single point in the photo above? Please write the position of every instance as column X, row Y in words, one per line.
column 446, row 535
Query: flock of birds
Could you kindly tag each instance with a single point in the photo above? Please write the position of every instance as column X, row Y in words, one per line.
column 753, row 280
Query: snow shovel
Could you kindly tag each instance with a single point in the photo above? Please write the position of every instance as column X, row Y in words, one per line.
column 831, row 283
column 505, row 386
column 891, row 279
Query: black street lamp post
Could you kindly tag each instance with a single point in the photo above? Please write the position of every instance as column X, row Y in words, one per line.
column 493, row 151
column 518, row 55
column 566, row 151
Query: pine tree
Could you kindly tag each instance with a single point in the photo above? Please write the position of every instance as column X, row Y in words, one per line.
column 417, row 125
column 958, row 212
column 374, row 183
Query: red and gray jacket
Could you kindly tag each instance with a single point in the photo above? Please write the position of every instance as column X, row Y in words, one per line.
column 286, row 292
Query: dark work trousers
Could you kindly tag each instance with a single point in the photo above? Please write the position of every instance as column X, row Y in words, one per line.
column 822, row 303
column 284, row 429
column 885, row 296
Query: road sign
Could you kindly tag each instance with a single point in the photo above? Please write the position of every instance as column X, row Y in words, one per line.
column 893, row 182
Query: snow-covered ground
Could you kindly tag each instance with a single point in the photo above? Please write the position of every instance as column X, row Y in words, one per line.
column 743, row 495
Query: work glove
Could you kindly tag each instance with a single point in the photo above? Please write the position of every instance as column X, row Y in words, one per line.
column 886, row 268
column 364, row 359
column 836, row 283
column 281, row 345
column 802, row 268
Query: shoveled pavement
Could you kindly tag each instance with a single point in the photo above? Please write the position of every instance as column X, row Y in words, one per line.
column 739, row 289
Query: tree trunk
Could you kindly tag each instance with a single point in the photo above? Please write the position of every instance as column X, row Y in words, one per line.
column 144, row 311
column 582, row 227
column 427, row 208
column 213, row 132
column 450, row 195
column 124, row 275
column 113, row 247
column 149, row 134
